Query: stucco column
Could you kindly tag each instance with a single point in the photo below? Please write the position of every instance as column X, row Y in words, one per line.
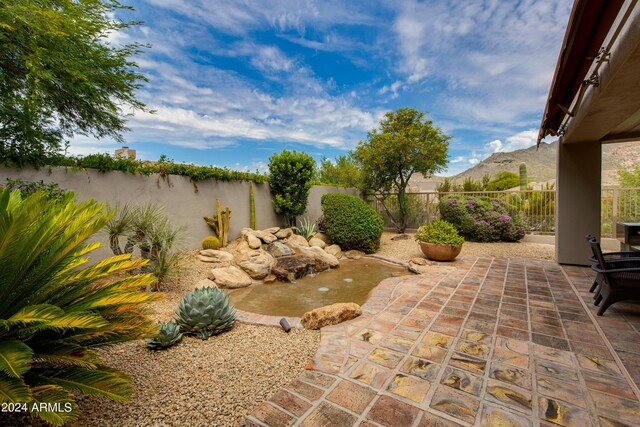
column 578, row 193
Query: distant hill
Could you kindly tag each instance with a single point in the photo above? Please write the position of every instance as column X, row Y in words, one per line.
column 541, row 164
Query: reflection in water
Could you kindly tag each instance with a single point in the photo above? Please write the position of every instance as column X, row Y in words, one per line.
column 352, row 282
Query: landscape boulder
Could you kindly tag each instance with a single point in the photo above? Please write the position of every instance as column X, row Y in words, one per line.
column 284, row 233
column 318, row 254
column 323, row 237
column 330, row 315
column 334, row 250
column 299, row 240
column 317, row 242
column 265, row 236
column 272, row 230
column 206, row 283
column 216, row 257
column 290, row 268
column 253, row 241
column 277, row 250
column 257, row 264
column 230, row 277
column 353, row 254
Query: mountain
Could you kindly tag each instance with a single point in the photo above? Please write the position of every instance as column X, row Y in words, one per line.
column 541, row 164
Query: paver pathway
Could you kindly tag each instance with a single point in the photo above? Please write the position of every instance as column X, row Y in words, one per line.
column 491, row 342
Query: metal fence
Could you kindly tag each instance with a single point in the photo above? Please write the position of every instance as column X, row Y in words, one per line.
column 536, row 206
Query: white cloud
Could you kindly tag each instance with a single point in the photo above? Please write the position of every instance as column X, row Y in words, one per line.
column 458, row 159
column 524, row 139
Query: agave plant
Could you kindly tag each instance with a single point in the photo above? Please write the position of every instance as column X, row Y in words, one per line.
column 54, row 310
column 205, row 312
column 306, row 228
column 168, row 335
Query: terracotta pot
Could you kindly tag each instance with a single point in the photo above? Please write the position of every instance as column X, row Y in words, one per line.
column 440, row 252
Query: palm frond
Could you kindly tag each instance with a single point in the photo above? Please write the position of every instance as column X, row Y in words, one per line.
column 15, row 358
column 13, row 390
column 56, row 398
column 54, row 352
column 104, row 381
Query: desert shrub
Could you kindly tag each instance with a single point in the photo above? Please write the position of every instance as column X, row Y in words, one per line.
column 482, row 219
column 148, row 228
column 416, row 209
column 503, row 181
column 439, row 232
column 351, row 223
column 55, row 310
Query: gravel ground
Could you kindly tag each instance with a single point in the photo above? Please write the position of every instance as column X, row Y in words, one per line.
column 214, row 382
column 407, row 249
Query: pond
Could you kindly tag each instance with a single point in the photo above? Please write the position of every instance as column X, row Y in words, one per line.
column 351, row 282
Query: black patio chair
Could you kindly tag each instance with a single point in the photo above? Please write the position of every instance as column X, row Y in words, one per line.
column 609, row 257
column 619, row 280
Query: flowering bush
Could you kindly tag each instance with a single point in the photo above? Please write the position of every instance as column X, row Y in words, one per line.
column 481, row 219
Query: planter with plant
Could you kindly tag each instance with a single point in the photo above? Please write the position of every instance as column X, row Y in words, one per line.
column 439, row 240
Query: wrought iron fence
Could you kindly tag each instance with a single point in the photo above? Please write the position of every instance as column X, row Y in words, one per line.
column 536, row 206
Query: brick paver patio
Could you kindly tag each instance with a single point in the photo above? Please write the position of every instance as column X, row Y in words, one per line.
column 489, row 342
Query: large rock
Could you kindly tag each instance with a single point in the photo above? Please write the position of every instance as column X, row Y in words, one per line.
column 243, row 247
column 323, row 237
column 319, row 254
column 252, row 240
column 334, row 250
column 277, row 249
column 422, row 266
column 284, row 233
column 353, row 254
column 317, row 243
column 218, row 258
column 272, row 230
column 330, row 315
column 297, row 239
column 257, row 264
column 265, row 236
column 230, row 277
column 290, row 268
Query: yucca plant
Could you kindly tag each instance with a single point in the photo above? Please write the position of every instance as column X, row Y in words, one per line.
column 205, row 312
column 54, row 310
column 306, row 228
column 167, row 336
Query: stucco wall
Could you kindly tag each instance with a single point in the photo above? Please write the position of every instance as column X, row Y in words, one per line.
column 184, row 202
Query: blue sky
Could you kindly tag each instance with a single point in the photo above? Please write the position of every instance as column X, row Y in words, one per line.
column 235, row 81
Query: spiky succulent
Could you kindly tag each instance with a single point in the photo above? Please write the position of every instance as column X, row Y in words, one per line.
column 168, row 335
column 205, row 312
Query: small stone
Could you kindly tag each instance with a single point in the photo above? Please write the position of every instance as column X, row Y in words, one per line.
column 353, row 254
column 216, row 257
column 270, row 279
column 323, row 237
column 418, row 261
column 253, row 241
column 272, row 230
column 277, row 249
column 231, row 277
column 265, row 236
column 295, row 238
column 330, row 315
column 284, row 233
column 317, row 243
column 246, row 230
column 334, row 250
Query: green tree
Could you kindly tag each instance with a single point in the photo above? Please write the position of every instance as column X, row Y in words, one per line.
column 59, row 75
column 291, row 175
column 503, row 181
column 630, row 177
column 405, row 143
column 343, row 171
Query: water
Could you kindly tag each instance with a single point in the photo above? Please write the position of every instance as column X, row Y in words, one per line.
column 351, row 282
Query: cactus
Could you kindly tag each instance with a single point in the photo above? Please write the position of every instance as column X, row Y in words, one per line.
column 220, row 223
column 205, row 312
column 252, row 206
column 168, row 335
column 211, row 242
column 524, row 180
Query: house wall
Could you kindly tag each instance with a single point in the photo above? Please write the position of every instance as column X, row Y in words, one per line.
column 184, row 202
